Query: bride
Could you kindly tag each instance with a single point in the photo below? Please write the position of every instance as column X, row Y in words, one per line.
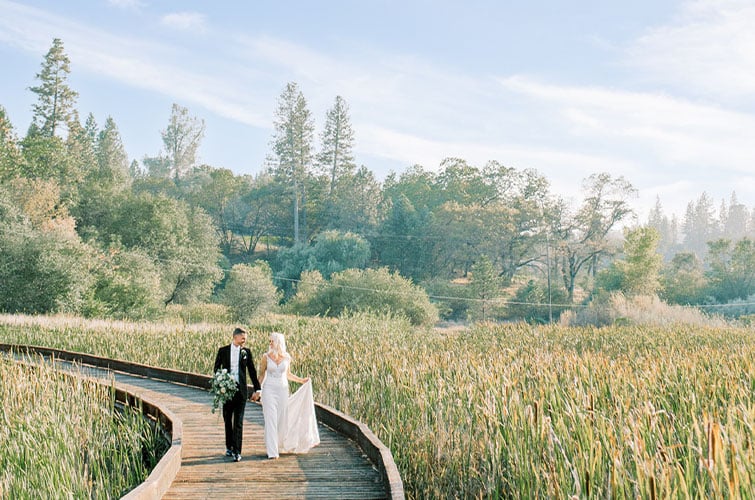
column 290, row 422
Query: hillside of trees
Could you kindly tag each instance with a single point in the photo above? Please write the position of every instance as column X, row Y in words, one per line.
column 86, row 229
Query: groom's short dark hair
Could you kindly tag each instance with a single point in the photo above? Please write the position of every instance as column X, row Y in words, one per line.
column 238, row 331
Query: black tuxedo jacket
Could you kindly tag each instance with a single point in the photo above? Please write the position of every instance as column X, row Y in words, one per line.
column 246, row 364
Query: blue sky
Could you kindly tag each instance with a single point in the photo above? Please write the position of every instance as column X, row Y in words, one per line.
column 660, row 92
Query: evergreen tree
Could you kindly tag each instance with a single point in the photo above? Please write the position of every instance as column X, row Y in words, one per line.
column 112, row 159
column 699, row 226
column 292, row 147
column 485, row 287
column 666, row 228
column 79, row 159
column 403, row 243
column 336, row 158
column 355, row 208
column 44, row 157
column 55, row 99
column 135, row 170
column 734, row 219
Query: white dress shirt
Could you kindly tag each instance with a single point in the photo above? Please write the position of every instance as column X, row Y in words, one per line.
column 235, row 352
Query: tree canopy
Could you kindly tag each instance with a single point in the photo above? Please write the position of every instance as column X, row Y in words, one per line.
column 315, row 230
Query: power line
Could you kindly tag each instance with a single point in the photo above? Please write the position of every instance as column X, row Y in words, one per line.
column 437, row 297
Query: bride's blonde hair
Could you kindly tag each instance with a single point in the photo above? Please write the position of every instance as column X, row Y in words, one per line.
column 279, row 345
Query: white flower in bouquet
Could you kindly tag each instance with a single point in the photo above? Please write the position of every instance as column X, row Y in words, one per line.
column 223, row 388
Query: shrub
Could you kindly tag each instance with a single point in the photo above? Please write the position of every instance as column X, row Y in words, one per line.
column 683, row 280
column 377, row 290
column 451, row 299
column 290, row 263
column 331, row 252
column 531, row 302
column 44, row 266
column 249, row 291
column 305, row 301
column 615, row 308
column 334, row 251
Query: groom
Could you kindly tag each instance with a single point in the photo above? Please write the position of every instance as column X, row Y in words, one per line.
column 237, row 359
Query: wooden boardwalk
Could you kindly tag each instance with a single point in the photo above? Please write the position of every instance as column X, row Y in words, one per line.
column 335, row 469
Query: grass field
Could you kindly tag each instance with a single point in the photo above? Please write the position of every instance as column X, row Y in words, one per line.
column 61, row 438
column 500, row 410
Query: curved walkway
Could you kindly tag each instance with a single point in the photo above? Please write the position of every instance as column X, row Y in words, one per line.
column 337, row 468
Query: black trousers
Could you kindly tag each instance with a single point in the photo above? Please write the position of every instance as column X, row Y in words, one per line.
column 233, row 416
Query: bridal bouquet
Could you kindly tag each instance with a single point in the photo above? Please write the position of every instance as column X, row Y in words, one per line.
column 223, row 388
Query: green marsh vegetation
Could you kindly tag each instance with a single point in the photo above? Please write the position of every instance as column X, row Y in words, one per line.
column 500, row 410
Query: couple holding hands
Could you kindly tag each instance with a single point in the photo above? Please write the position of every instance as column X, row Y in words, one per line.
column 290, row 422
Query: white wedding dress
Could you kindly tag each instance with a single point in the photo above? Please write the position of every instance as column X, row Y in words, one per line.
column 290, row 421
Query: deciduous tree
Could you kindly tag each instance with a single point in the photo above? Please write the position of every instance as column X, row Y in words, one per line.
column 582, row 237
column 638, row 272
column 683, row 280
column 181, row 140
column 731, row 273
column 10, row 153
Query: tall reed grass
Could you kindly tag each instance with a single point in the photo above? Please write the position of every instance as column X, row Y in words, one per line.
column 61, row 438
column 503, row 411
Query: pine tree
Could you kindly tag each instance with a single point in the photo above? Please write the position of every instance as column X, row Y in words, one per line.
column 336, row 158
column 80, row 158
column 699, row 225
column 292, row 146
column 734, row 220
column 666, row 229
column 111, row 156
column 485, row 287
column 56, row 100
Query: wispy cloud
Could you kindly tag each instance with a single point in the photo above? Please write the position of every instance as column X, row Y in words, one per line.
column 140, row 63
column 667, row 139
column 409, row 110
column 709, row 49
column 677, row 131
column 185, row 21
